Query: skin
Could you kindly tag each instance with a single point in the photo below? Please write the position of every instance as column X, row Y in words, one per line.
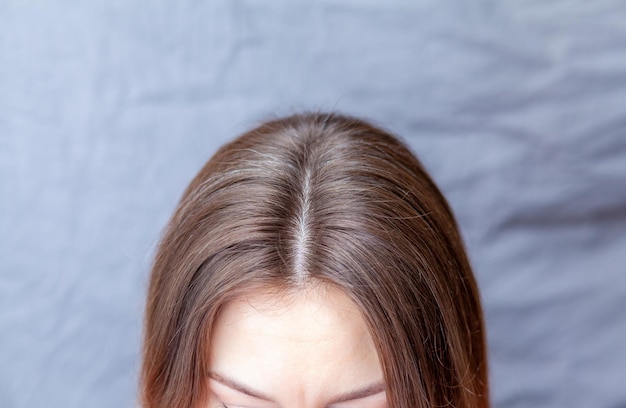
column 309, row 349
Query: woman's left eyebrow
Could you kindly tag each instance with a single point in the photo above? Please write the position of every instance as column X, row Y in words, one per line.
column 367, row 391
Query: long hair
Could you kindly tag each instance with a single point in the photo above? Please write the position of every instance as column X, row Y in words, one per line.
column 319, row 198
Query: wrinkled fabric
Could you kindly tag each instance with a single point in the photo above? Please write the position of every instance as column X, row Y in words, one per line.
column 108, row 108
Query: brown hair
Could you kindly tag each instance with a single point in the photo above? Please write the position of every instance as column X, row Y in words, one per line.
column 319, row 198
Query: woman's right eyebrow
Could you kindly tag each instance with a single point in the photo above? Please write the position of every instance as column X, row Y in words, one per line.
column 238, row 386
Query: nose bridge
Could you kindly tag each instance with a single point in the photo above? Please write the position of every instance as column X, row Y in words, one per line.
column 304, row 386
column 309, row 367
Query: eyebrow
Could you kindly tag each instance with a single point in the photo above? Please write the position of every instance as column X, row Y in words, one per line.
column 366, row 391
column 235, row 385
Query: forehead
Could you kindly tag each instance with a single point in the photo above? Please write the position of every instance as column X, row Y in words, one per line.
column 315, row 340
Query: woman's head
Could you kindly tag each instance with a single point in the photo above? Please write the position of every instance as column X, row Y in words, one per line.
column 300, row 214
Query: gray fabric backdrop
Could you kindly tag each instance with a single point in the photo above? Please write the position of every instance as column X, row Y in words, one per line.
column 108, row 108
